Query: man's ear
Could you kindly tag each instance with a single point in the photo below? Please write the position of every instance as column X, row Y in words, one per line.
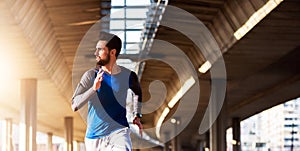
column 113, row 52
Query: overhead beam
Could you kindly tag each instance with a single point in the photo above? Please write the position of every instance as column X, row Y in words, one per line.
column 268, row 92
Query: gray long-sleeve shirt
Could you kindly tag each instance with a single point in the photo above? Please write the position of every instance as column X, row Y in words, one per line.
column 106, row 106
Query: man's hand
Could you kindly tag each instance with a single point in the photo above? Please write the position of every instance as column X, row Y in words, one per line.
column 98, row 80
column 137, row 122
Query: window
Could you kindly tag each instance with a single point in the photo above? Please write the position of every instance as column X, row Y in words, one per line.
column 127, row 21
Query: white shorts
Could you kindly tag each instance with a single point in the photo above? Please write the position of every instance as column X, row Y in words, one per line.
column 119, row 140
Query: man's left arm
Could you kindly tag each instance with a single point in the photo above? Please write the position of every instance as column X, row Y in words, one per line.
column 134, row 85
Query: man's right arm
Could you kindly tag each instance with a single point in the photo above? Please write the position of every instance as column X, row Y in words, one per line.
column 84, row 91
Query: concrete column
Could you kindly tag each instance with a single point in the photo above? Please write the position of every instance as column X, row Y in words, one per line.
column 206, row 141
column 167, row 146
column 76, row 146
column 200, row 145
column 175, row 144
column 175, row 141
column 167, row 143
column 28, row 115
column 49, row 142
column 218, row 132
column 236, row 133
column 69, row 133
column 7, row 135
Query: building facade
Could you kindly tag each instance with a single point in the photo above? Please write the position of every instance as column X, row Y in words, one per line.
column 276, row 129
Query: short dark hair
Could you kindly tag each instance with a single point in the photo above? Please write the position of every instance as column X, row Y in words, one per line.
column 113, row 41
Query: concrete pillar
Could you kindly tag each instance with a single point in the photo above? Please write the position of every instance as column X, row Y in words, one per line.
column 167, row 146
column 28, row 115
column 236, row 133
column 69, row 133
column 175, row 144
column 77, row 145
column 7, row 135
column 203, row 143
column 167, row 143
column 49, row 142
column 207, row 139
column 200, row 145
column 175, row 141
column 218, row 132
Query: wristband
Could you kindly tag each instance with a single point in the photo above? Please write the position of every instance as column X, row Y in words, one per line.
column 139, row 115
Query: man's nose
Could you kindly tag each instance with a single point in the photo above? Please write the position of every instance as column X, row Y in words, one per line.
column 96, row 53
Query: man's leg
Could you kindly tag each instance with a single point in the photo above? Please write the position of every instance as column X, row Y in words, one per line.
column 99, row 144
column 120, row 140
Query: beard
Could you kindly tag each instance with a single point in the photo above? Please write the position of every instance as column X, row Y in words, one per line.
column 103, row 62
